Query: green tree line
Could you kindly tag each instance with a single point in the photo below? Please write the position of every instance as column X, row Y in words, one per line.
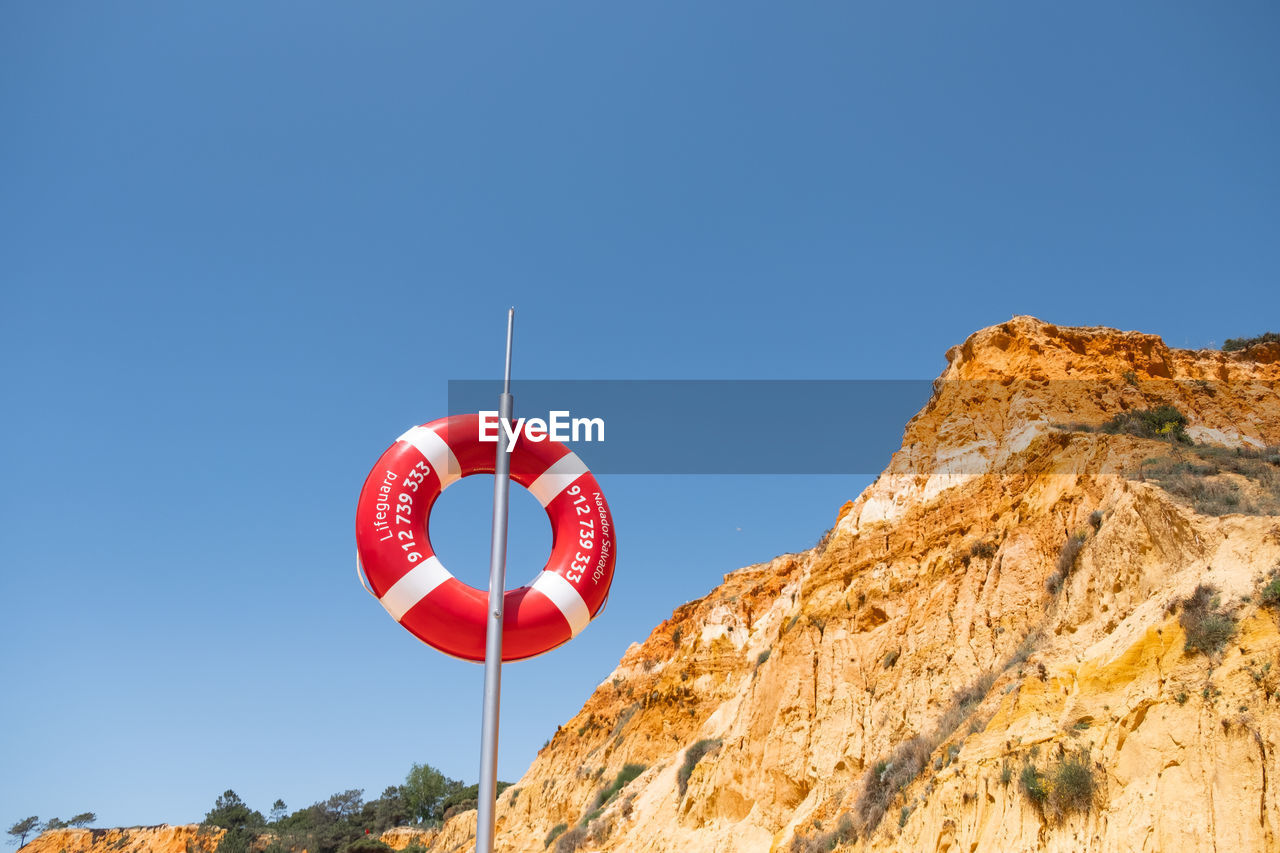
column 22, row 828
column 345, row 822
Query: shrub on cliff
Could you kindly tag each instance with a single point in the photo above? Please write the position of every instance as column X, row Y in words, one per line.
column 570, row 841
column 1162, row 422
column 1233, row 344
column 881, row 784
column 982, row 549
column 1065, row 787
column 692, row 756
column 1033, row 784
column 555, row 833
column 1067, row 557
column 1073, row 786
column 1207, row 625
column 889, row 776
column 1270, row 594
column 624, row 778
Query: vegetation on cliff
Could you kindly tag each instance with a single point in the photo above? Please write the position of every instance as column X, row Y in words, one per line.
column 344, row 823
column 1233, row 344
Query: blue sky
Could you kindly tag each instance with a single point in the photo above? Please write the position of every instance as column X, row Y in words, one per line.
column 245, row 245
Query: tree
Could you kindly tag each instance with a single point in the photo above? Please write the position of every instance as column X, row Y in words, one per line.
column 331, row 825
column 54, row 823
column 424, row 789
column 366, row 845
column 386, row 811
column 83, row 819
column 20, row 829
column 278, row 811
column 241, row 822
column 346, row 804
column 230, row 812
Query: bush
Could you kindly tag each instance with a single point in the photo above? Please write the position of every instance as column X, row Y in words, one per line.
column 763, row 656
column 366, row 845
column 1161, row 422
column 1065, row 787
column 889, row 776
column 555, row 833
column 1270, row 596
column 571, row 840
column 1069, row 553
column 692, row 756
column 625, row 776
column 1073, row 786
column 1208, row 627
column 985, row 550
column 1233, row 344
column 1034, row 785
column 599, row 830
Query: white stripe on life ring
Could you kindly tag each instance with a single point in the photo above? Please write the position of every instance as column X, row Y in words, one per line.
column 421, row 580
column 565, row 597
column 557, row 478
column 437, row 452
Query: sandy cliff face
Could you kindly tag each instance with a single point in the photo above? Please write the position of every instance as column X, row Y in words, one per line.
column 888, row 689
column 928, row 614
column 138, row 839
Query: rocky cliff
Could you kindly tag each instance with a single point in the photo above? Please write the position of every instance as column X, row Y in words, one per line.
column 987, row 652
column 1050, row 624
column 136, row 839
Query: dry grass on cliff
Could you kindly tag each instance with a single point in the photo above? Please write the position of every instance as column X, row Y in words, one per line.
column 1213, row 480
column 1067, row 558
column 883, row 782
column 823, row 842
column 1219, row 480
column 570, row 841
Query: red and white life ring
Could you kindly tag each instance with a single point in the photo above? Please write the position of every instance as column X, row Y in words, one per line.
column 394, row 546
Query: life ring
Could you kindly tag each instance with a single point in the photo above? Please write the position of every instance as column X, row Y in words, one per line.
column 394, row 546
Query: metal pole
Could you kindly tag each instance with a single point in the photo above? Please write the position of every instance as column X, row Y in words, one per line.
column 493, row 634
